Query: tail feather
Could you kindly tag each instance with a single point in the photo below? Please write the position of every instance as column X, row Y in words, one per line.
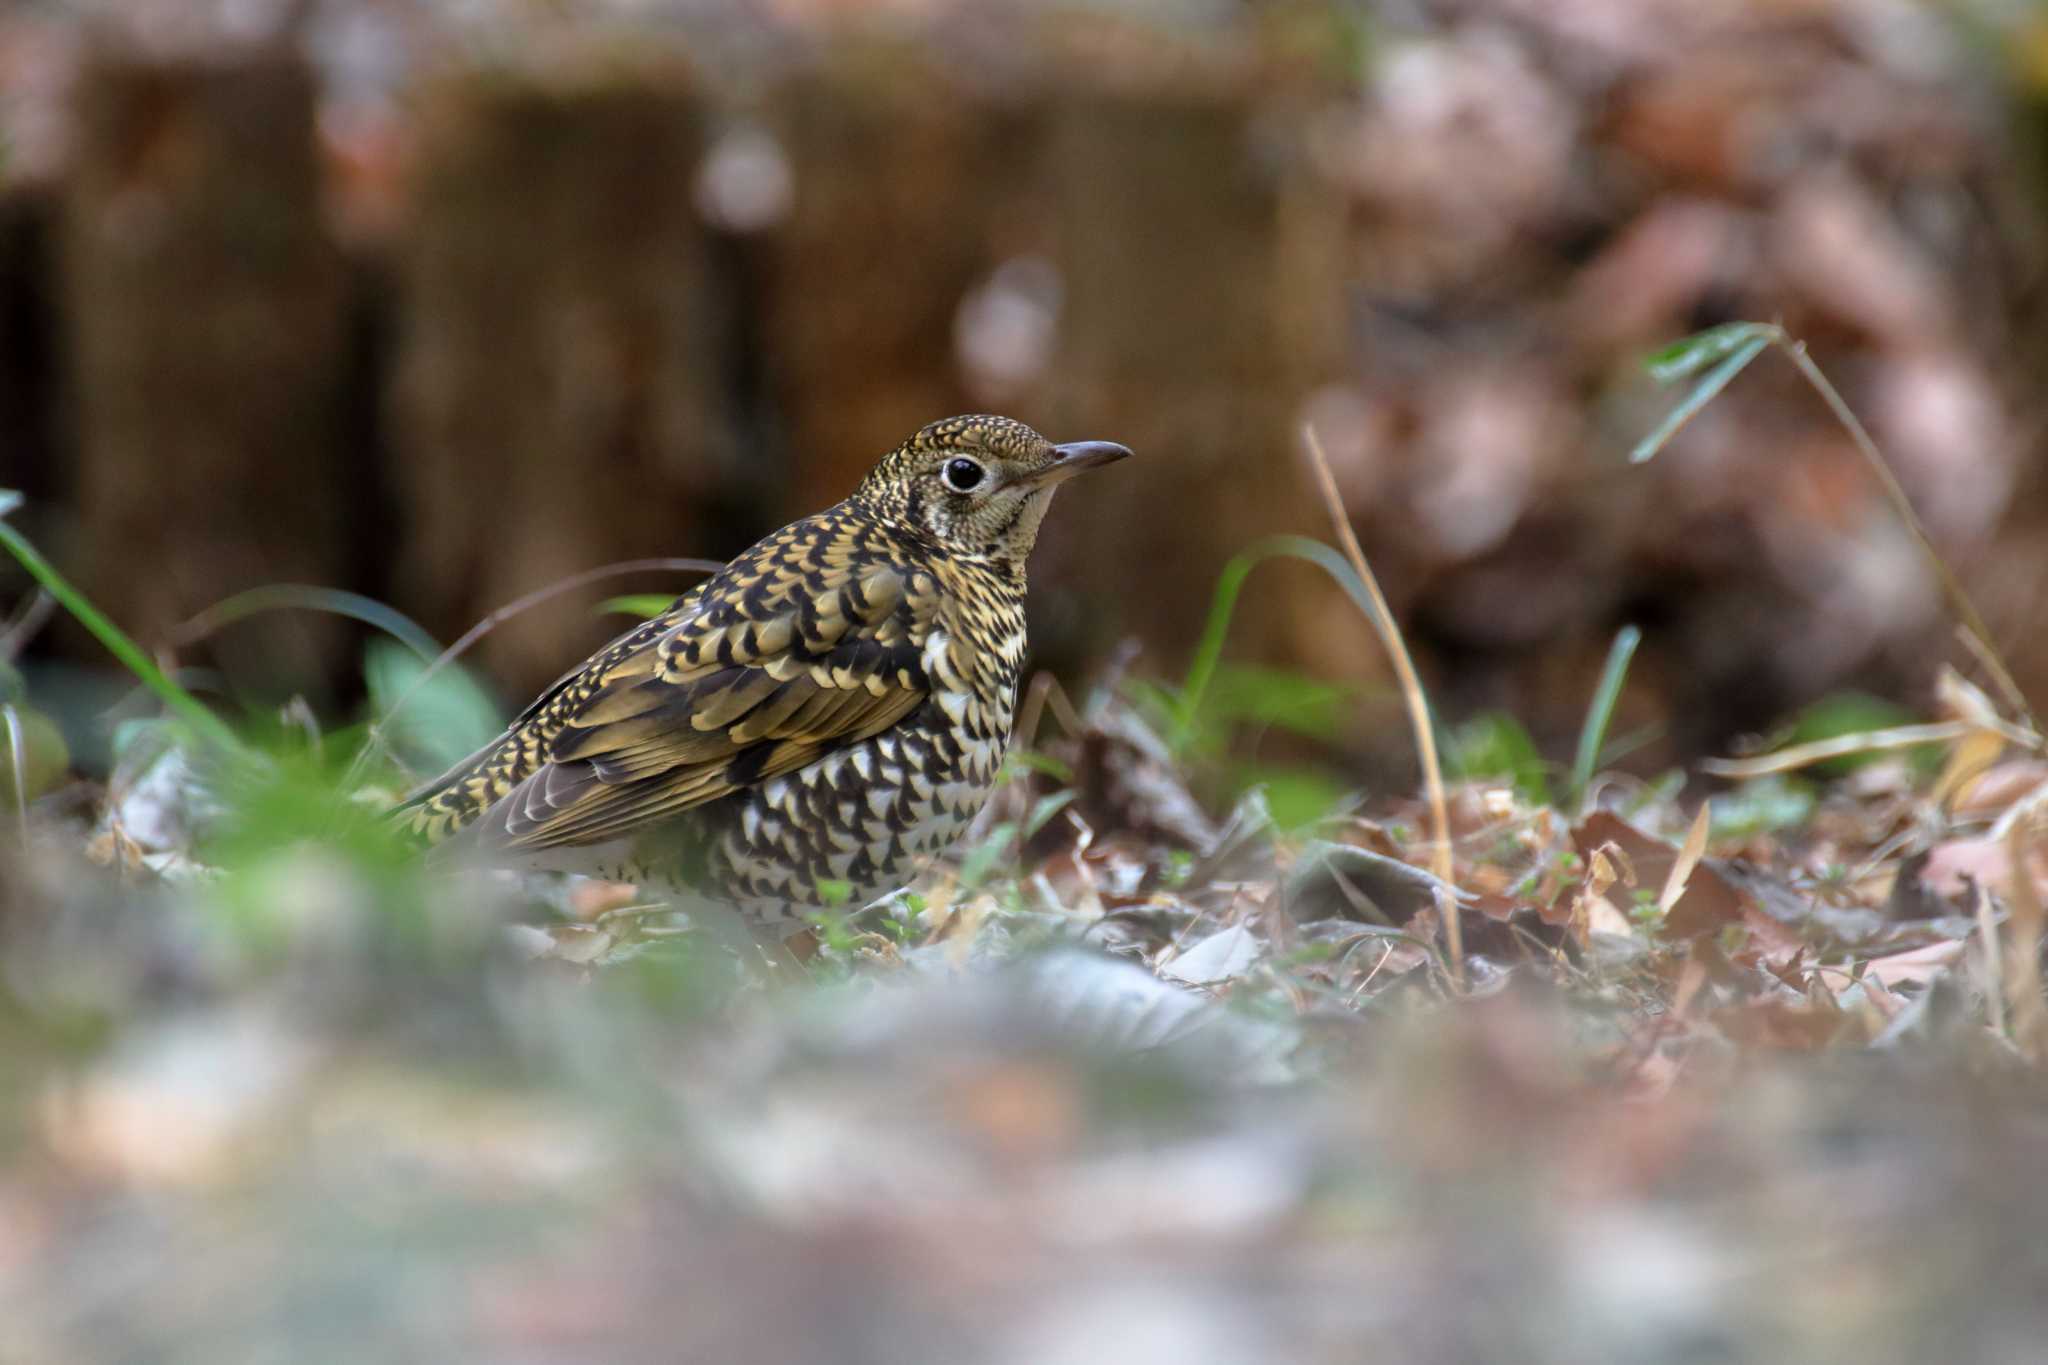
column 459, row 797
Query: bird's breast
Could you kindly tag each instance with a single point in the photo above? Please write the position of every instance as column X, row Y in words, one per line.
column 865, row 817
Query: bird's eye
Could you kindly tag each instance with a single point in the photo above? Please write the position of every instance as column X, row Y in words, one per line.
column 962, row 476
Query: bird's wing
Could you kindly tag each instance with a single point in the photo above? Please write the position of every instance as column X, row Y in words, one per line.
column 451, row 803
column 753, row 683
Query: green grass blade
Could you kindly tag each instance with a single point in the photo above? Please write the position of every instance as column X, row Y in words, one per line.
column 183, row 703
column 1600, row 713
column 1694, row 353
column 645, row 605
column 1209, row 651
column 306, row 597
column 1702, row 394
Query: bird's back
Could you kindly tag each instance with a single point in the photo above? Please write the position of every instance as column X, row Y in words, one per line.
column 814, row 638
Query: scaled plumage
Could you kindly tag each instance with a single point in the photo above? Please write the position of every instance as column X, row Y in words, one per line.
column 830, row 708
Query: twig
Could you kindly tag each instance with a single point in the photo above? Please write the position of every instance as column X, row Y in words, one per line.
column 1411, row 693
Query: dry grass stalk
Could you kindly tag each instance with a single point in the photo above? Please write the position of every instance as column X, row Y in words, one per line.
column 1978, row 634
column 2022, row 976
column 1411, row 694
column 1994, row 970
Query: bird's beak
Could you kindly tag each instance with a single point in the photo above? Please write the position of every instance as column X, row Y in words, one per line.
column 1076, row 456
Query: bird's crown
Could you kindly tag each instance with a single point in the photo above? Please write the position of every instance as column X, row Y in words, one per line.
column 977, row 485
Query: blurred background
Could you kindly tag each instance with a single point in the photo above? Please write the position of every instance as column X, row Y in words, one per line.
column 443, row 302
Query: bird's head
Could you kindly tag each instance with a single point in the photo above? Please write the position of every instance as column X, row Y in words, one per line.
column 978, row 485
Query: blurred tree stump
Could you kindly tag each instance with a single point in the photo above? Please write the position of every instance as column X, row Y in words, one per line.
column 1204, row 302
column 205, row 314
column 890, row 224
column 558, row 403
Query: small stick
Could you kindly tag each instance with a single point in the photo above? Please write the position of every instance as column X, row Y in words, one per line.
column 1411, row 693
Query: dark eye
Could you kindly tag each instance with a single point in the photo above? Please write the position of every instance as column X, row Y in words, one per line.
column 962, row 476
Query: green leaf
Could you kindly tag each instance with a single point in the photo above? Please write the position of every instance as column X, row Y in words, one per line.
column 1030, row 760
column 1297, row 797
column 1247, row 694
column 645, row 605
column 982, row 858
column 1702, row 393
column 43, row 758
column 1494, row 744
column 451, row 715
column 1761, row 807
column 1045, row 808
column 1161, row 706
column 1694, row 353
column 1855, row 713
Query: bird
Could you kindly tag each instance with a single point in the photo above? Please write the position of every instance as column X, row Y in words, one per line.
column 807, row 728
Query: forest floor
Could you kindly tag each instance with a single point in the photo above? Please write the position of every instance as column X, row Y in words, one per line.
column 1753, row 1075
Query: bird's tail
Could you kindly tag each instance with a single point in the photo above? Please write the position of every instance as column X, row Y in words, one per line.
column 444, row 807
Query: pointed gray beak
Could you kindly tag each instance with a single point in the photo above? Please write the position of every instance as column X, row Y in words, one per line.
column 1076, row 456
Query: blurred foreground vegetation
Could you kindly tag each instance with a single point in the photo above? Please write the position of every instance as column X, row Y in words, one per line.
column 1202, row 1047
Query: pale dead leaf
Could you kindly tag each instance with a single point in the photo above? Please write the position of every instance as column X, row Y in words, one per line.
column 1914, row 967
column 2001, row 788
column 1710, row 898
column 1219, row 957
column 1960, row 699
column 1952, row 866
column 1689, row 855
column 1603, row 918
column 1969, row 759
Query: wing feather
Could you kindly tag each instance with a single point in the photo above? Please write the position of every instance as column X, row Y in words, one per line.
column 724, row 699
column 810, row 641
